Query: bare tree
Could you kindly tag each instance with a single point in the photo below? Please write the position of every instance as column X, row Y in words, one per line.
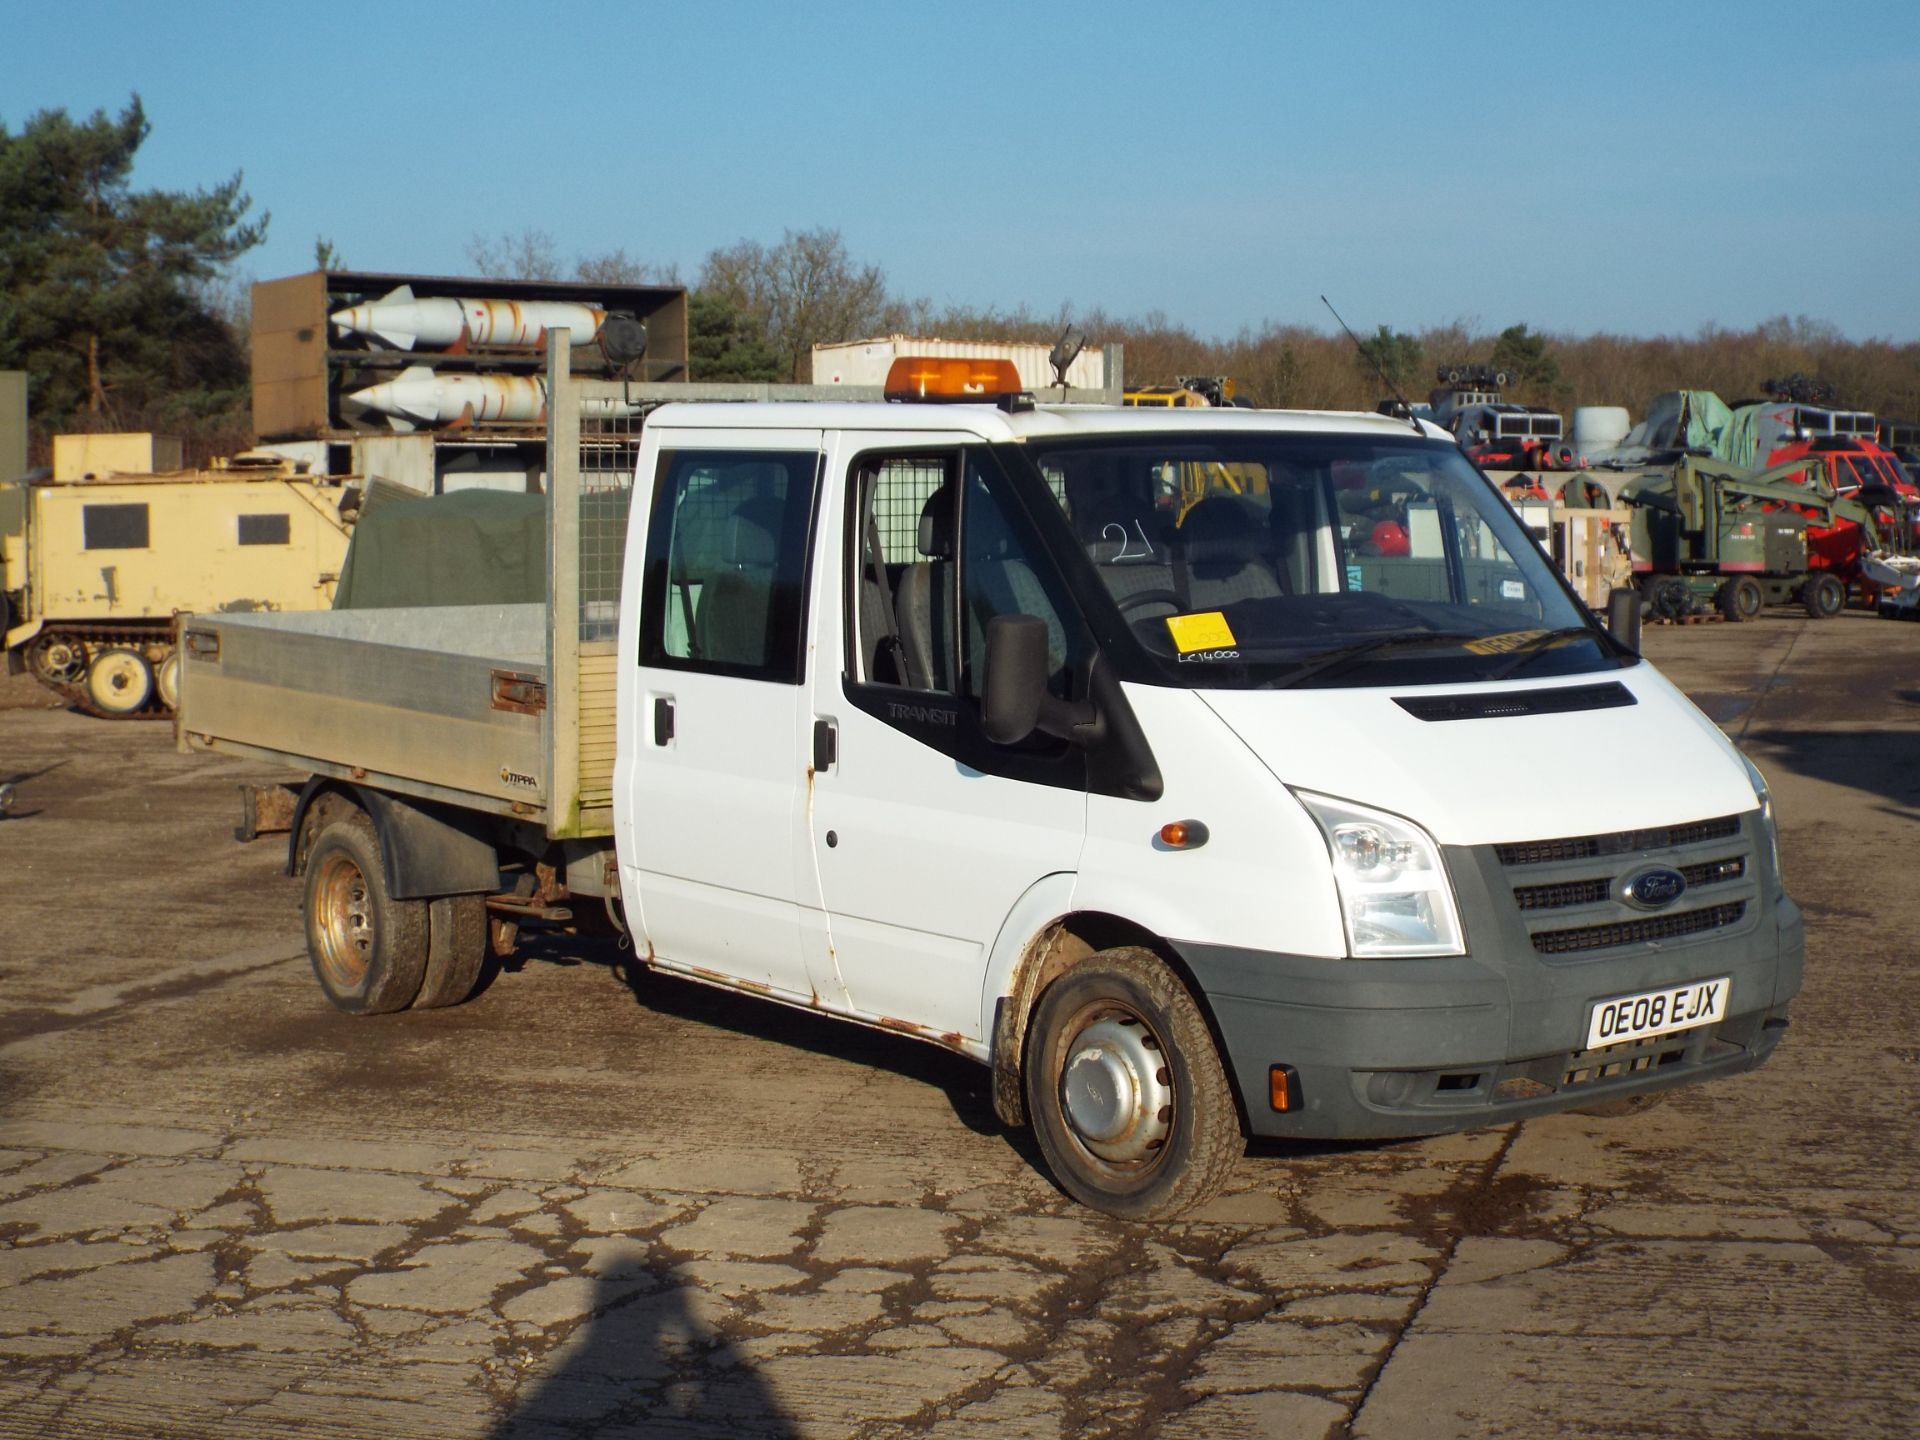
column 616, row 267
column 803, row 292
column 530, row 255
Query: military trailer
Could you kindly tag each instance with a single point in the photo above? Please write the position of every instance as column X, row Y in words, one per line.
column 94, row 566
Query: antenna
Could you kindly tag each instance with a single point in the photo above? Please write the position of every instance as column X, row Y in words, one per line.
column 1406, row 410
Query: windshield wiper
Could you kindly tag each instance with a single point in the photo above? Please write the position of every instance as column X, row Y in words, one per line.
column 1524, row 652
column 1359, row 650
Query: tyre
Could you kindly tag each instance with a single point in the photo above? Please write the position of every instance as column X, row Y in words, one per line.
column 119, row 682
column 456, row 950
column 1741, row 598
column 369, row 951
column 1129, row 1102
column 1667, row 597
column 1824, row 595
column 166, row 679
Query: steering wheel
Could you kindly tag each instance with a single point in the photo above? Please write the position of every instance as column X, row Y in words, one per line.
column 1143, row 598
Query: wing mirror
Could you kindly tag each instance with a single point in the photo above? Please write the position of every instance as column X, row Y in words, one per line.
column 1623, row 617
column 1014, row 701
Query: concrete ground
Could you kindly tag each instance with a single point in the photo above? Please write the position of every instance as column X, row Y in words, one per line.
column 596, row 1203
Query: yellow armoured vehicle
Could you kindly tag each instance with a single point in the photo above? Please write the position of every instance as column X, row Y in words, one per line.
column 94, row 565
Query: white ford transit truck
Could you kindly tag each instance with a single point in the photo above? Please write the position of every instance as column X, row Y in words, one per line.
column 1182, row 766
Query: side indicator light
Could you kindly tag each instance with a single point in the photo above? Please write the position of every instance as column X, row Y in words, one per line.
column 1181, row 835
column 1283, row 1088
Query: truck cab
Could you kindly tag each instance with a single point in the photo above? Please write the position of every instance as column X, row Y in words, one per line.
column 1193, row 821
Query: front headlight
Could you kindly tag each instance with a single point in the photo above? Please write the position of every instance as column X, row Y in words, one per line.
column 1765, row 797
column 1394, row 892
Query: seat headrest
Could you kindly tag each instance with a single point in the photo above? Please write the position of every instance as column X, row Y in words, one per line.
column 936, row 524
column 752, row 533
column 1221, row 532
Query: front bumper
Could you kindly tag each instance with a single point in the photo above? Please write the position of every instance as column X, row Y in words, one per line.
column 1392, row 1048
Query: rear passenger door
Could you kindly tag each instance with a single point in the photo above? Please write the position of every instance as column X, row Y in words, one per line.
column 711, row 774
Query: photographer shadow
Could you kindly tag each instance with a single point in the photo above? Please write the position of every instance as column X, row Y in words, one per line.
column 644, row 1364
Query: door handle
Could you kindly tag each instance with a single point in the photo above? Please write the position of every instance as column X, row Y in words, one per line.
column 826, row 745
column 662, row 720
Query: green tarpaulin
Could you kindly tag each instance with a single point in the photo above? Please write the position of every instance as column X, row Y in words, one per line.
column 473, row 547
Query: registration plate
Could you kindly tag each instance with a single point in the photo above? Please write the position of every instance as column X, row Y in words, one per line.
column 1658, row 1012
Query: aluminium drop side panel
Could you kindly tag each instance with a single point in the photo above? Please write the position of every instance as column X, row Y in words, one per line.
column 402, row 699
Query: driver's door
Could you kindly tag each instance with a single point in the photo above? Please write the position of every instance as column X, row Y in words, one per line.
column 924, row 834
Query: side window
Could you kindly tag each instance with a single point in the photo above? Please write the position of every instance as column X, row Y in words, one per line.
column 1002, row 575
column 900, row 607
column 113, row 527
column 266, row 529
column 726, row 566
column 937, row 558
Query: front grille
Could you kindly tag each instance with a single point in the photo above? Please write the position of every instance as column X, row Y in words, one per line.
column 1569, row 893
column 1620, row 842
column 1637, row 932
column 1558, row 897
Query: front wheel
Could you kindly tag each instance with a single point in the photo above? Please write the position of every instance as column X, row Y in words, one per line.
column 369, row 951
column 1129, row 1102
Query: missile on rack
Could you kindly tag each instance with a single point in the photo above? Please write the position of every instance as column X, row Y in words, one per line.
column 418, row 398
column 443, row 322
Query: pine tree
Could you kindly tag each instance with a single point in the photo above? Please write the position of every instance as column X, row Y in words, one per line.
column 104, row 290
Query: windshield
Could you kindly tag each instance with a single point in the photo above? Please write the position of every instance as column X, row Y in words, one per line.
column 1288, row 559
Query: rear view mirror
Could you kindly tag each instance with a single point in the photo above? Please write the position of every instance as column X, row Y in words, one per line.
column 1015, row 684
column 1623, row 617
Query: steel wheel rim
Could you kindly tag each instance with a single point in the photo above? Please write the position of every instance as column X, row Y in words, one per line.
column 59, row 661
column 119, row 682
column 343, row 922
column 1116, row 1087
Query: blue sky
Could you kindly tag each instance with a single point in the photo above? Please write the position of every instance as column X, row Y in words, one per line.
column 1636, row 168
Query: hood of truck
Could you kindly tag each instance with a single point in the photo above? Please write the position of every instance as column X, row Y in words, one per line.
column 1500, row 779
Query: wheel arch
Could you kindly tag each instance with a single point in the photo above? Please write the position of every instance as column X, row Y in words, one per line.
column 1055, row 949
column 426, row 849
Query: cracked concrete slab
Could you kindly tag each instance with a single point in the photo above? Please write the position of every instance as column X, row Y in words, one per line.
column 231, row 1213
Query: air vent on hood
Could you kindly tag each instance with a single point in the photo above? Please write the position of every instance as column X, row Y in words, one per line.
column 1501, row 705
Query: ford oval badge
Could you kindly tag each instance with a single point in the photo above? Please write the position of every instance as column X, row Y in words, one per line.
column 1654, row 888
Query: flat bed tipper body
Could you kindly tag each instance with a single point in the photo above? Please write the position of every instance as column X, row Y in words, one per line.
column 1159, row 760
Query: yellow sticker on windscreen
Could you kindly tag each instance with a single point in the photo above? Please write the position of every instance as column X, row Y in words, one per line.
column 1504, row 643
column 1205, row 631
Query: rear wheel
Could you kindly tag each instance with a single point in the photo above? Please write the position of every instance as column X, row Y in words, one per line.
column 369, row 951
column 119, row 682
column 1129, row 1101
column 1824, row 595
column 456, row 950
